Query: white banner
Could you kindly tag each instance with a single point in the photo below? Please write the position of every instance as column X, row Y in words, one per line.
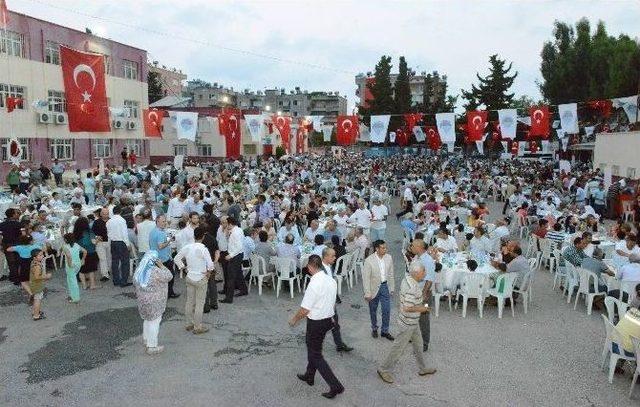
column 178, row 161
column 255, row 124
column 522, row 148
column 315, row 120
column 450, row 146
column 419, row 134
column 364, row 133
column 630, row 106
column 569, row 117
column 101, row 170
column 392, row 137
column 327, row 129
column 505, row 146
column 546, row 147
column 508, row 122
column 446, row 123
column 379, row 126
column 480, row 147
column 186, row 125
column 173, row 118
column 589, row 130
column 564, row 141
column 14, row 149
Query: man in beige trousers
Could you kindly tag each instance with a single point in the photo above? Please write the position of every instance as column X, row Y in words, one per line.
column 378, row 284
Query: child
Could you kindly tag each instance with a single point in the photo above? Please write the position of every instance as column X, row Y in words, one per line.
column 24, row 250
column 37, row 277
column 72, row 251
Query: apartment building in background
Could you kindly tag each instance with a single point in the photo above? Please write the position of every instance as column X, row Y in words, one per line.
column 171, row 79
column 30, row 69
column 416, row 84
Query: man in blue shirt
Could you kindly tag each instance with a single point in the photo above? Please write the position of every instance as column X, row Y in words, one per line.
column 160, row 241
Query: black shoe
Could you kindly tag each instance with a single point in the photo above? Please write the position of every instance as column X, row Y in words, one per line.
column 206, row 310
column 103, row 279
column 305, row 379
column 221, row 292
column 174, row 295
column 332, row 393
column 344, row 348
column 387, row 335
column 214, row 307
column 338, row 300
column 425, row 347
column 225, row 301
column 374, row 334
column 126, row 285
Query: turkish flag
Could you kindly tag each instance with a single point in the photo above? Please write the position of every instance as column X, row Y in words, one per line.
column 12, row 103
column 283, row 124
column 476, row 122
column 347, row 129
column 533, row 146
column 152, row 120
column 402, row 138
column 4, row 14
column 602, row 106
column 514, row 147
column 539, row 121
column 232, row 133
column 85, row 90
column 300, row 139
column 411, row 119
column 433, row 138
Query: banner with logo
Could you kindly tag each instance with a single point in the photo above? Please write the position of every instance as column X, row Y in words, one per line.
column 569, row 117
column 186, row 125
column 508, row 119
column 255, row 124
column 379, row 126
column 446, row 123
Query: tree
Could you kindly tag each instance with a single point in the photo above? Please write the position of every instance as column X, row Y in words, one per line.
column 381, row 89
column 155, row 91
column 434, row 95
column 578, row 66
column 402, row 90
column 523, row 103
column 492, row 90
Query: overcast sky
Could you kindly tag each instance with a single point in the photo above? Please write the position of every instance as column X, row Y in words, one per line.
column 343, row 37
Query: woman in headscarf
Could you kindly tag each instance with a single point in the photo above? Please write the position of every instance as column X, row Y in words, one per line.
column 151, row 282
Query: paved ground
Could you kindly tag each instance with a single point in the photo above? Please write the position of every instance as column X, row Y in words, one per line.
column 91, row 354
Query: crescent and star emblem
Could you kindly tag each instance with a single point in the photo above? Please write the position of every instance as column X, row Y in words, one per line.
column 538, row 115
column 86, row 96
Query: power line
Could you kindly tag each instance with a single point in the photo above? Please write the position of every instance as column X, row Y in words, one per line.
column 198, row 41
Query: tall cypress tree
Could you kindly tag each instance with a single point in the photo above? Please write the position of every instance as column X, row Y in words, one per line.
column 492, row 89
column 402, row 91
column 155, row 91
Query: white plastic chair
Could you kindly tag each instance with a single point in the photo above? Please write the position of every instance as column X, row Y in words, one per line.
column 342, row 264
column 504, row 290
column 286, row 271
column 472, row 286
column 628, row 287
column 525, row 290
column 587, row 280
column 613, row 347
column 259, row 272
column 636, row 346
column 572, row 280
column 438, row 292
column 560, row 272
column 358, row 264
column 611, row 303
column 545, row 253
column 627, row 211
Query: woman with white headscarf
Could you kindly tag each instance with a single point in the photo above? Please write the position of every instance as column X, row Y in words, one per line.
column 151, row 282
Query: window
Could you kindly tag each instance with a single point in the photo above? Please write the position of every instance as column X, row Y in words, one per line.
column 615, row 170
column 204, row 150
column 295, row 103
column 24, row 143
column 131, row 107
column 102, row 148
column 12, row 43
column 179, row 149
column 631, row 173
column 57, row 101
column 52, row 53
column 280, row 103
column 13, row 91
column 62, row 149
column 129, row 69
column 136, row 146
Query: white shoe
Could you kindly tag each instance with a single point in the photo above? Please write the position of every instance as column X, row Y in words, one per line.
column 155, row 351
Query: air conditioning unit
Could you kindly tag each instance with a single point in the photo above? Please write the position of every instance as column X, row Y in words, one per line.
column 132, row 125
column 61, row 118
column 45, row 118
column 117, row 124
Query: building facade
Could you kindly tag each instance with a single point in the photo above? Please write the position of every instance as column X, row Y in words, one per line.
column 30, row 69
column 171, row 80
column 416, row 85
column 619, row 153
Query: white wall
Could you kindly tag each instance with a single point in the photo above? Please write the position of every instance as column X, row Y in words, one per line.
column 618, row 149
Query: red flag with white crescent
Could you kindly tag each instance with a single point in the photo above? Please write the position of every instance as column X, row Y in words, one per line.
column 283, row 124
column 410, row 120
column 152, row 121
column 347, row 129
column 12, row 103
column 601, row 106
column 85, row 90
column 232, row 133
column 15, row 151
column 539, row 121
column 514, row 147
column 433, row 138
column 402, row 138
column 476, row 122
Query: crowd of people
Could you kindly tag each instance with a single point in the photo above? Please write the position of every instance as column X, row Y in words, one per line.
column 144, row 226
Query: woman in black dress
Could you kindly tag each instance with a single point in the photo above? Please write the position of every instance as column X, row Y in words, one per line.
column 87, row 240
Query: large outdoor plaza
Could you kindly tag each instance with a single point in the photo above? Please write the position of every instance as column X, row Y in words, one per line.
column 302, row 203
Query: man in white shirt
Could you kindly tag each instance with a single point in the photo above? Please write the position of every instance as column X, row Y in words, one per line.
column 445, row 242
column 379, row 214
column 289, row 228
column 362, row 217
column 144, row 229
column 378, row 284
column 625, row 249
column 318, row 306
column 199, row 270
column 235, row 249
column 119, row 240
column 176, row 209
column 501, row 231
column 328, row 260
column 312, row 231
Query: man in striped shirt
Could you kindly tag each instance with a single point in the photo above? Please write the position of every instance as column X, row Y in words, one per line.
column 411, row 306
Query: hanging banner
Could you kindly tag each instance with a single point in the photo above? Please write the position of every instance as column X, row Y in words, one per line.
column 283, row 124
column 476, row 122
column 569, row 117
column 379, row 126
column 411, row 119
column 433, row 138
column 539, row 116
column 255, row 124
column 152, row 122
column 480, row 146
column 508, row 119
column 186, row 125
column 15, row 151
column 316, row 121
column 564, row 141
column 546, row 147
column 450, row 146
column 178, row 162
column 446, row 123
column 392, row 137
column 347, row 130
column 327, row 130
column 365, row 134
column 630, row 106
column 419, row 134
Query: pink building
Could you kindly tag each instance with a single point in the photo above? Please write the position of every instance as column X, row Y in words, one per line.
column 30, row 69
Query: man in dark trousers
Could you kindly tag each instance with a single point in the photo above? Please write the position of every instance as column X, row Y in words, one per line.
column 235, row 251
column 11, row 231
column 318, row 306
column 211, row 224
column 328, row 258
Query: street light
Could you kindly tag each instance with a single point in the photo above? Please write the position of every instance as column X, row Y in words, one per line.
column 267, row 108
column 225, row 99
column 279, row 113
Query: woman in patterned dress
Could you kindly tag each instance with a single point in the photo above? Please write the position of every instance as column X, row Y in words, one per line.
column 151, row 282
